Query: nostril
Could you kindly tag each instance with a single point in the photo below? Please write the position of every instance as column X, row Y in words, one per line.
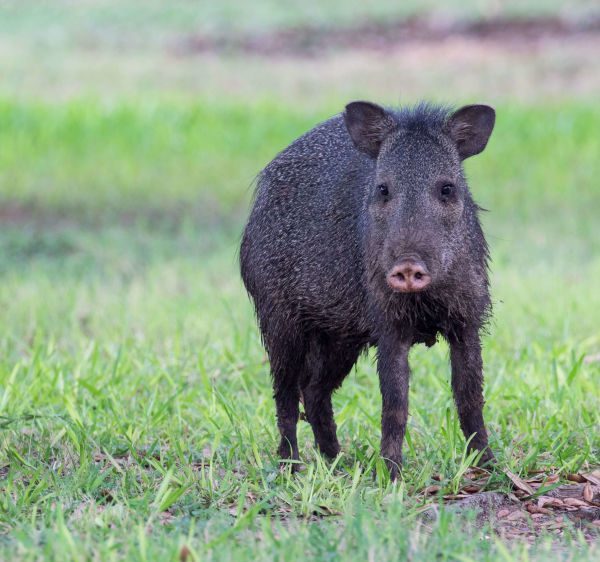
column 409, row 276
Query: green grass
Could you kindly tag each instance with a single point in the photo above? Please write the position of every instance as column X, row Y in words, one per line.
column 169, row 160
column 135, row 404
column 89, row 156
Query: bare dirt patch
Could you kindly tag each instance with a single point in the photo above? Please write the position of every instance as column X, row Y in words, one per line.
column 458, row 68
column 15, row 214
column 538, row 505
column 536, row 60
column 313, row 40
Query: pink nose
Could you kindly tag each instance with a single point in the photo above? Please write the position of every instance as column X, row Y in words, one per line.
column 409, row 277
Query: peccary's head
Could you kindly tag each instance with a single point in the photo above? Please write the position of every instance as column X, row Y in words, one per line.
column 422, row 226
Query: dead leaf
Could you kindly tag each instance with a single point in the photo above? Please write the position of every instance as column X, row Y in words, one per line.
column 437, row 477
column 533, row 508
column 550, row 502
column 596, row 523
column 593, row 477
column 537, row 479
column 458, row 496
column 431, row 490
column 576, row 478
column 540, row 479
column 574, row 502
column 471, row 489
column 516, row 515
column 476, row 473
column 503, row 513
column 520, row 483
column 588, row 493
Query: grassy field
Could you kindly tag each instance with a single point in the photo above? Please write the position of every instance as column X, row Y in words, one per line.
column 136, row 408
column 136, row 418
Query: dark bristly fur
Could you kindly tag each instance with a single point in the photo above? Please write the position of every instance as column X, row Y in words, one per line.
column 321, row 238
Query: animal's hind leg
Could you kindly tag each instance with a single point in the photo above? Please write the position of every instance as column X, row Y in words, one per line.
column 286, row 354
column 327, row 365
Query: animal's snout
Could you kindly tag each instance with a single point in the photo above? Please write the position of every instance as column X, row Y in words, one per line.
column 409, row 276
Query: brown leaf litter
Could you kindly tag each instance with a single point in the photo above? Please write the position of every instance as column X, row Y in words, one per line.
column 539, row 504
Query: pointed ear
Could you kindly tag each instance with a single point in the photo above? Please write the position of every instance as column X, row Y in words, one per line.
column 470, row 128
column 368, row 124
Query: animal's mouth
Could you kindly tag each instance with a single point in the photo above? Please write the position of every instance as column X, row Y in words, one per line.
column 409, row 276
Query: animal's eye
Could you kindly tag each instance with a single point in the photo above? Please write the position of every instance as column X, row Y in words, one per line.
column 383, row 189
column 446, row 190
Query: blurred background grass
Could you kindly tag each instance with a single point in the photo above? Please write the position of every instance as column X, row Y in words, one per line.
column 156, row 20
column 130, row 137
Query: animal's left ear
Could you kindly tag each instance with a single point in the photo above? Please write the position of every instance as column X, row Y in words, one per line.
column 470, row 128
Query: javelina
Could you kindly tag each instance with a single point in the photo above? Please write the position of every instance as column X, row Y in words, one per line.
column 364, row 233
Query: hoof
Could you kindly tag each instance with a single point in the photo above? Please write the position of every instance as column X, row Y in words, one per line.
column 329, row 450
column 394, row 469
column 487, row 459
column 290, row 465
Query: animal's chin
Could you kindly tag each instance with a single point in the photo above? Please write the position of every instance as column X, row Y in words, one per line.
column 408, row 292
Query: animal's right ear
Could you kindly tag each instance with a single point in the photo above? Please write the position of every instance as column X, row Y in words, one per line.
column 368, row 125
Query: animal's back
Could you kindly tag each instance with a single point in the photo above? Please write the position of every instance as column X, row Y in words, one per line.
column 301, row 252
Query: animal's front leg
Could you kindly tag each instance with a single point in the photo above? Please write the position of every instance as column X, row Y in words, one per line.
column 394, row 372
column 467, row 386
